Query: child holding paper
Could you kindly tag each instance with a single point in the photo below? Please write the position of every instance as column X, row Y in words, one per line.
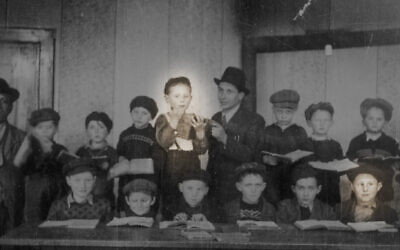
column 373, row 145
column 319, row 118
column 181, row 134
column 250, row 182
column 281, row 137
column 80, row 203
column 139, row 154
column 366, row 183
column 304, row 206
column 98, row 126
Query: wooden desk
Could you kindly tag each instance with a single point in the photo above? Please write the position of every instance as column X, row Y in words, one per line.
column 111, row 237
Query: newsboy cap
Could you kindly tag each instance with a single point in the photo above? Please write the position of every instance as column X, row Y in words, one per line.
column 286, row 98
column 79, row 165
column 140, row 185
column 42, row 115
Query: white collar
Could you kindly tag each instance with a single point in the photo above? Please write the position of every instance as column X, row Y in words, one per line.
column 230, row 113
column 319, row 138
column 372, row 137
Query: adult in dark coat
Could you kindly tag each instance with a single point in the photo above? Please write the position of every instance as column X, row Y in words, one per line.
column 234, row 135
column 10, row 140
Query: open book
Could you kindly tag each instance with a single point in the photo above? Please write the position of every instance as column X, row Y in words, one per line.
column 369, row 226
column 135, row 166
column 197, row 235
column 321, row 224
column 189, row 225
column 73, row 223
column 257, row 225
column 132, row 221
column 335, row 165
column 291, row 157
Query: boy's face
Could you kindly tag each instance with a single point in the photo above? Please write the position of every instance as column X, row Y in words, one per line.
column 283, row 116
column 251, row 186
column 139, row 202
column 365, row 187
column 81, row 184
column 374, row 120
column 193, row 191
column 179, row 97
column 320, row 122
column 140, row 117
column 46, row 129
column 305, row 190
column 97, row 131
column 229, row 96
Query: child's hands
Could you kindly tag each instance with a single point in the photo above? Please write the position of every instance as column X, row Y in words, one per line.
column 199, row 124
column 199, row 217
column 218, row 132
column 270, row 160
column 45, row 143
column 181, row 217
column 175, row 115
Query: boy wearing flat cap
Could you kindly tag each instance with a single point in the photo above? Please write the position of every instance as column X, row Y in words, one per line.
column 281, row 137
column 373, row 144
column 366, row 183
column 319, row 117
column 139, row 142
column 41, row 159
column 98, row 126
column 140, row 195
column 250, row 182
column 193, row 203
column 304, row 206
column 234, row 135
column 80, row 203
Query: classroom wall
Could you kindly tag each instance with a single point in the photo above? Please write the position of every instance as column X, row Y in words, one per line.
column 109, row 51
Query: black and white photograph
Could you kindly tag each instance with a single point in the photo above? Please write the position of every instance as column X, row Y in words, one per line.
column 199, row 124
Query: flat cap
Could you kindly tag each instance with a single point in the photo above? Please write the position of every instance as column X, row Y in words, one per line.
column 286, row 98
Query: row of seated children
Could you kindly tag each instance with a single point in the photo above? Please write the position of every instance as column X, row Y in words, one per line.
column 140, row 195
column 177, row 140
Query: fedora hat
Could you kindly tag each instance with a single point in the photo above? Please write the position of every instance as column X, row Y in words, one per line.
column 235, row 77
column 5, row 89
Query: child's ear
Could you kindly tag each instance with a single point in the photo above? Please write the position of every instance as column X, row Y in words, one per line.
column 166, row 98
column 352, row 187
column 319, row 189
column 126, row 200
column 68, row 180
column 238, row 186
column 206, row 190
column 264, row 186
column 180, row 187
column 153, row 200
column 292, row 188
column 379, row 185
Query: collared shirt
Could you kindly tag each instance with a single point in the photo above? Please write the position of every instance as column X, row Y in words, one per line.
column 230, row 113
column 319, row 138
column 71, row 200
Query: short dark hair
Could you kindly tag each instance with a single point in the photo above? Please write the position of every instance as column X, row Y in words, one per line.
column 303, row 171
column 250, row 168
column 172, row 82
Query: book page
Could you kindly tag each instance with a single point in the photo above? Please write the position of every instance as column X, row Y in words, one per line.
column 297, row 155
column 54, row 223
column 250, row 224
column 308, row 224
column 84, row 224
column 118, row 222
column 203, row 225
column 336, row 165
column 167, row 224
column 369, row 226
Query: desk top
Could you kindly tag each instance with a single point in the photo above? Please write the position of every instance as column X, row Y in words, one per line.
column 288, row 237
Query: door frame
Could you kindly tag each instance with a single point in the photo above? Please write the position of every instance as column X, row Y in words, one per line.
column 310, row 41
column 46, row 40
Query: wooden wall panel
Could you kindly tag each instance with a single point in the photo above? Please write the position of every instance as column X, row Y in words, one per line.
column 86, row 66
column 351, row 77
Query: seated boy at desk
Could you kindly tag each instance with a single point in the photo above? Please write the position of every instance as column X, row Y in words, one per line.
column 80, row 203
column 193, row 203
column 250, row 181
column 366, row 182
column 140, row 196
column 304, row 206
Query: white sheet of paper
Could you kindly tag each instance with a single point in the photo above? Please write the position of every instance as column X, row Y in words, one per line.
column 54, row 223
column 336, row 165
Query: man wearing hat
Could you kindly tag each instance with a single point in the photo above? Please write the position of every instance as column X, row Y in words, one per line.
column 234, row 135
column 10, row 140
column 366, row 183
column 281, row 137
